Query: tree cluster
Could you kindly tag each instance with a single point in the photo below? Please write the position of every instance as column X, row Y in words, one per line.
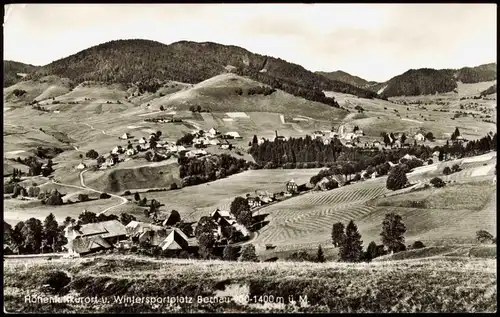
column 195, row 171
column 33, row 236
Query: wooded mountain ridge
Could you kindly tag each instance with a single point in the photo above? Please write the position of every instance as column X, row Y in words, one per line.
column 421, row 81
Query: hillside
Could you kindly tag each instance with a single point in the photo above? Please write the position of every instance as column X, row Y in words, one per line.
column 121, row 179
column 37, row 89
column 131, row 61
column 490, row 90
column 432, row 285
column 11, row 70
column 231, row 92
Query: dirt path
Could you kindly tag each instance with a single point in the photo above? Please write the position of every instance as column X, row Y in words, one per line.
column 123, row 199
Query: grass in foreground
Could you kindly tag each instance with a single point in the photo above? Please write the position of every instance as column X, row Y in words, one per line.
column 439, row 285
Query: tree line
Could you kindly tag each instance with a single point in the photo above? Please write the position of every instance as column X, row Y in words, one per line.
column 309, row 153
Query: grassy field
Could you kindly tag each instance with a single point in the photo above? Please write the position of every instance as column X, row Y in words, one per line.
column 426, row 285
column 194, row 202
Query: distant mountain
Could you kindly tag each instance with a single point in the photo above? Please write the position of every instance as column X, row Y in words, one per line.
column 426, row 81
column 14, row 72
column 347, row 78
column 132, row 61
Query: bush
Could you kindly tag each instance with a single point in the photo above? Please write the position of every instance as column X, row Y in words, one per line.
column 484, row 236
column 418, row 245
column 127, row 193
column 300, row 256
column 437, row 182
column 447, row 170
column 455, row 168
column 248, row 254
column 83, row 197
column 430, row 162
column 397, row 178
column 231, row 253
column 57, row 280
column 104, row 196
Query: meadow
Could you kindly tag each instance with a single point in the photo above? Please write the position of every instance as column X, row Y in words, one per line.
column 425, row 285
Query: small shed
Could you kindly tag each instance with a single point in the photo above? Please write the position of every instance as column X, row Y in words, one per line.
column 81, row 166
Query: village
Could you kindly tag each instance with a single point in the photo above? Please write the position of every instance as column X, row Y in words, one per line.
column 158, row 149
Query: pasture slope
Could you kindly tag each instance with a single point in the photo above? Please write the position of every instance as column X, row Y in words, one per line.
column 425, row 285
column 435, row 216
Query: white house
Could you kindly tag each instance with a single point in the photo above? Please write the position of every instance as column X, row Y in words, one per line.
column 234, row 134
column 125, row 136
column 359, row 132
column 81, row 166
column 142, row 141
column 419, row 137
column 131, row 152
column 326, row 141
column 225, row 146
column 333, row 134
column 214, row 142
column 349, row 136
column 261, row 141
column 213, row 132
column 117, row 150
column 317, row 134
column 181, row 148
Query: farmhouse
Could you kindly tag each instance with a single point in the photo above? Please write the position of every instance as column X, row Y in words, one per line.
column 117, row 150
column 349, row 136
column 359, row 132
column 317, row 134
column 86, row 245
column 176, row 240
column 223, row 218
column 419, row 137
column 125, row 136
column 233, row 134
column 254, row 202
column 81, row 166
column 214, row 142
column 291, row 187
column 213, row 132
column 131, row 152
column 93, row 236
column 142, row 140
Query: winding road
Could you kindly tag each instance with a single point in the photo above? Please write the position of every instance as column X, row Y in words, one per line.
column 123, row 199
column 85, row 187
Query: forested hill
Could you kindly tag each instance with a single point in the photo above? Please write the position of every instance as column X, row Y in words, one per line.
column 11, row 69
column 347, row 78
column 127, row 61
column 429, row 81
column 416, row 82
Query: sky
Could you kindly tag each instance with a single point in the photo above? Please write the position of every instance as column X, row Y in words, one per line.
column 373, row 41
